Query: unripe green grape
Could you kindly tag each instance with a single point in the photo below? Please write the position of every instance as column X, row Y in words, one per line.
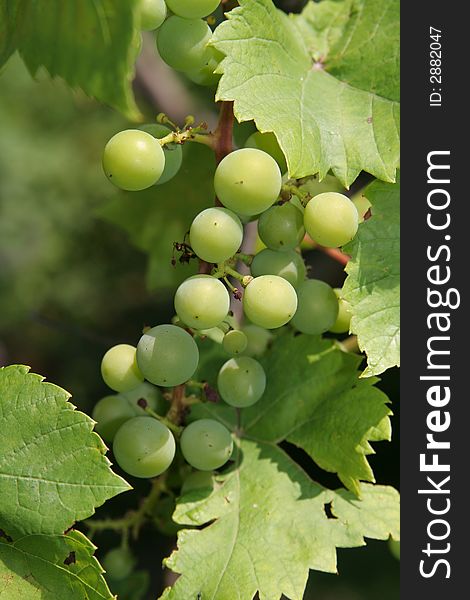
column 119, row 368
column 152, row 396
column 288, row 265
column 258, row 340
column 216, row 234
column 110, row 413
column 362, row 205
column 118, row 563
column 152, row 14
column 331, row 219
column 182, row 43
column 318, row 307
column 192, row 9
column 281, row 227
column 214, row 333
column 199, row 480
column 343, row 320
column 206, row 76
column 269, row 301
column 248, row 181
column 235, row 342
column 267, row 142
column 241, row 381
column 173, row 152
column 133, row 160
column 202, row 302
column 295, row 201
column 167, row 355
column 206, row 444
column 144, row 447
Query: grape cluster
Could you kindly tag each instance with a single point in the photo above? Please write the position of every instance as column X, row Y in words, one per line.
column 250, row 184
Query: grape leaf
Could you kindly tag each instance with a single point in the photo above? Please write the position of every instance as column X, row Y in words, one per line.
column 89, row 43
column 373, row 283
column 52, row 466
column 315, row 400
column 48, row 567
column 265, row 525
column 325, row 82
column 161, row 215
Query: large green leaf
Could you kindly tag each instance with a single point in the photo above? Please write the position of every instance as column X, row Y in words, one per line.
column 49, row 567
column 315, row 400
column 162, row 215
column 89, row 43
column 373, row 284
column 325, row 82
column 266, row 524
column 52, row 465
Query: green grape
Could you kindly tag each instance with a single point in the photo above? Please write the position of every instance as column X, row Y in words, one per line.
column 343, row 320
column 235, row 342
column 173, row 152
column 241, row 381
column 205, row 76
column 248, row 181
column 133, row 160
column 216, row 234
column 118, row 563
column 269, row 301
column 152, row 14
column 331, row 219
column 198, row 480
column 182, row 43
column 281, row 227
column 258, row 340
column 167, row 355
column 150, row 394
column 214, row 333
column 144, row 447
column 288, row 265
column 119, row 368
column 267, row 142
column 318, row 307
column 202, row 302
column 192, row 9
column 362, row 205
column 295, row 201
column 206, row 444
column 110, row 413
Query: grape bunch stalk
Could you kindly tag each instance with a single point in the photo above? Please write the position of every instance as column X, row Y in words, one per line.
column 156, row 381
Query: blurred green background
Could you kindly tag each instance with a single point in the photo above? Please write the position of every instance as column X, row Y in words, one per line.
column 83, row 266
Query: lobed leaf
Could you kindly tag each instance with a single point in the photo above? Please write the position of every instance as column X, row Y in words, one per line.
column 53, row 470
column 89, row 43
column 373, row 284
column 48, row 567
column 325, row 82
column 265, row 525
column 315, row 400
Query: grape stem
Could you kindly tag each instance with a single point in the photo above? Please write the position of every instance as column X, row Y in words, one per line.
column 350, row 344
column 188, row 135
column 335, row 254
column 177, row 410
column 247, row 259
column 291, row 188
column 176, row 429
column 134, row 519
column 224, row 132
